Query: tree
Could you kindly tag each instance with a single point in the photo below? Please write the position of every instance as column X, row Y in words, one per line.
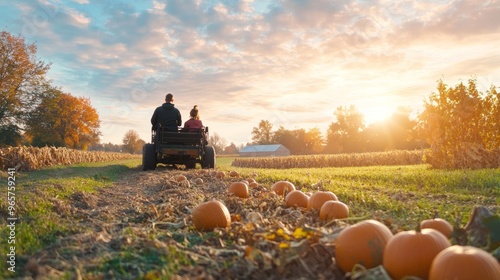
column 231, row 149
column 132, row 143
column 63, row 120
column 400, row 129
column 313, row 141
column 217, row 142
column 263, row 134
column 107, row 147
column 299, row 141
column 21, row 75
column 345, row 135
column 287, row 138
column 461, row 125
column 397, row 132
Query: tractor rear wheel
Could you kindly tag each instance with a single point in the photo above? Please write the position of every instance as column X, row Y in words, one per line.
column 208, row 160
column 148, row 157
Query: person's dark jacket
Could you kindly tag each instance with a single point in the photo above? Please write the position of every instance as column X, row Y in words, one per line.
column 168, row 116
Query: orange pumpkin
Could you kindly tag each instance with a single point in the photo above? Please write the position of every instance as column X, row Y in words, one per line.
column 333, row 209
column 253, row 184
column 220, row 175
column 410, row 253
column 179, row 178
column 233, row 173
column 210, row 215
column 296, row 198
column 251, row 180
column 281, row 187
column 202, row 172
column 362, row 243
column 438, row 224
column 318, row 198
column 239, row 189
column 464, row 262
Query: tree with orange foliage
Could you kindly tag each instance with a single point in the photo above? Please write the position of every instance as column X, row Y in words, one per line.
column 63, row 120
column 21, row 76
column 461, row 125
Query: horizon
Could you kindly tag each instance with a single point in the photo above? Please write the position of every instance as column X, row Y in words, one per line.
column 291, row 63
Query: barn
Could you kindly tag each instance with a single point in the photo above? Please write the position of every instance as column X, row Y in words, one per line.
column 264, row 151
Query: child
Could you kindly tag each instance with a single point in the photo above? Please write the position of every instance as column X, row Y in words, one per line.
column 194, row 123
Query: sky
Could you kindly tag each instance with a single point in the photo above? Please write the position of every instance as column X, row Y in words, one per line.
column 292, row 62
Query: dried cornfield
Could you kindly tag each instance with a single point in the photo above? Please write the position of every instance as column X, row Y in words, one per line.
column 397, row 157
column 32, row 158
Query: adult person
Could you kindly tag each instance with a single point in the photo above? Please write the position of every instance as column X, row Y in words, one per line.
column 194, row 123
column 167, row 115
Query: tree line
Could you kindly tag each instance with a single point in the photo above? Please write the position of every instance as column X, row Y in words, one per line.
column 347, row 134
column 459, row 126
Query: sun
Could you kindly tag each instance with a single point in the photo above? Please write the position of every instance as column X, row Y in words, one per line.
column 376, row 113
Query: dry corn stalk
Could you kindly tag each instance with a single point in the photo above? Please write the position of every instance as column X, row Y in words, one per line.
column 32, row 158
column 336, row 160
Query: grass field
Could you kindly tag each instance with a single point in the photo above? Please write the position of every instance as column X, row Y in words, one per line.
column 400, row 195
column 38, row 192
column 405, row 194
column 61, row 182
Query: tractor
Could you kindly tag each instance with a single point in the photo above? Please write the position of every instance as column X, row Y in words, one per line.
column 178, row 148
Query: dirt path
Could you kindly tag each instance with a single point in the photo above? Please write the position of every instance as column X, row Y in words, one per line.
column 141, row 228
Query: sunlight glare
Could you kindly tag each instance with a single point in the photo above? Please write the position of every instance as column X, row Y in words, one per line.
column 375, row 114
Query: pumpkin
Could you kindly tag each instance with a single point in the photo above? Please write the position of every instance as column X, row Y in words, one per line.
column 220, row 175
column 281, row 187
column 210, row 215
column 464, row 262
column 362, row 243
column 333, row 209
column 253, row 184
column 319, row 197
column 410, row 253
column 251, row 180
column 233, row 174
column 296, row 198
column 438, row 224
column 179, row 178
column 202, row 172
column 239, row 189
column 198, row 181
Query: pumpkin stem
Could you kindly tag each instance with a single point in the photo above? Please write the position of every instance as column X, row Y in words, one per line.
column 417, row 228
column 436, row 214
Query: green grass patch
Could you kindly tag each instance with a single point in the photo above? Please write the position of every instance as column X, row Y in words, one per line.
column 39, row 221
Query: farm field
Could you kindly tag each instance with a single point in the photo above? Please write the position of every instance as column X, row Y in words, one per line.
column 113, row 221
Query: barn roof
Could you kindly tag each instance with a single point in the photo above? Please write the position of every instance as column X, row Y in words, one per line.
column 260, row 148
